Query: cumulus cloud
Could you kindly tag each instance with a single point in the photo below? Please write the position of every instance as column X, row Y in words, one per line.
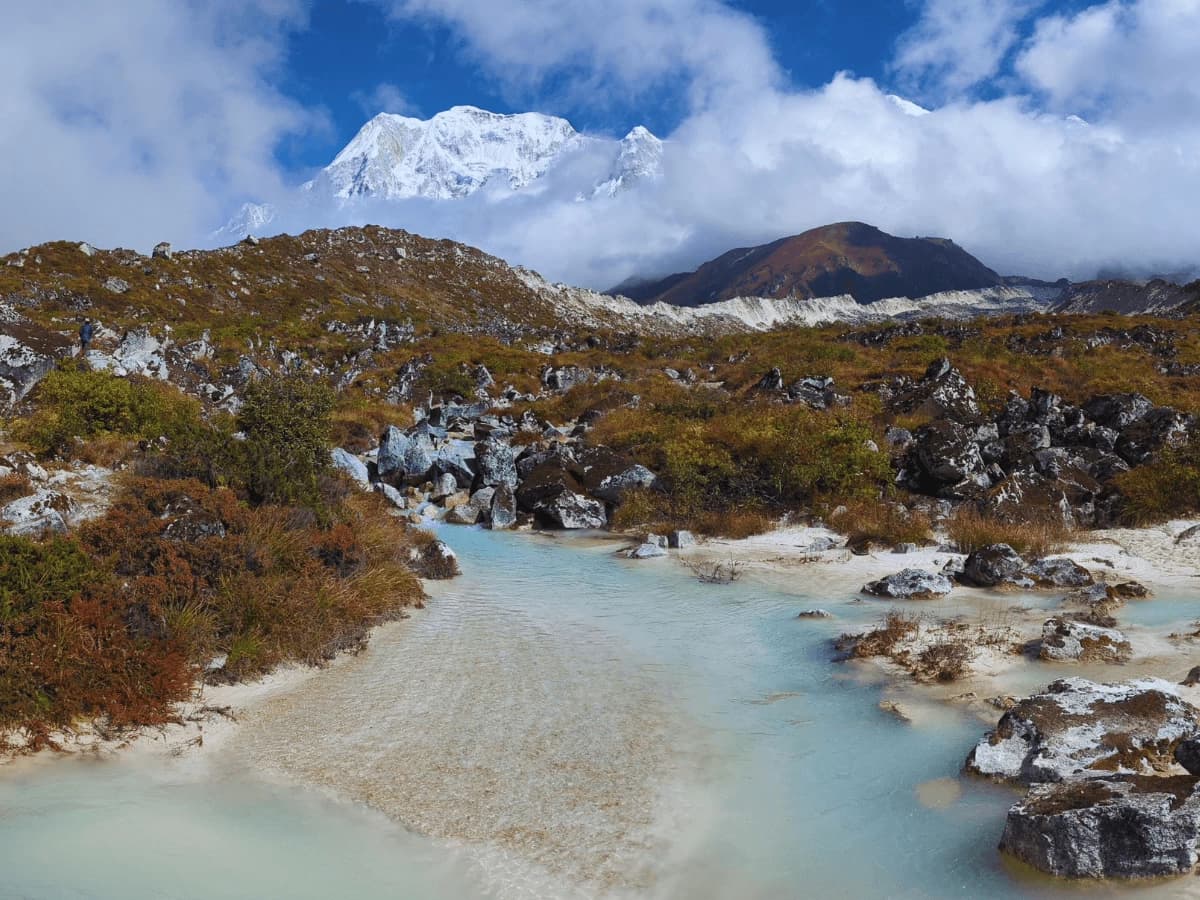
column 622, row 47
column 138, row 124
column 956, row 44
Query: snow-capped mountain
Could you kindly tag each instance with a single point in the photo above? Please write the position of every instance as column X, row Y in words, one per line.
column 451, row 155
column 640, row 159
column 458, row 152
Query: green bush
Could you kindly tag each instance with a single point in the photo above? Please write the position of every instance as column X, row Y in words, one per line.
column 286, row 420
column 73, row 402
column 32, row 573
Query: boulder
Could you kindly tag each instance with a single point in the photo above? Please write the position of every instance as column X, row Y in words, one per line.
column 1187, row 754
column 607, row 474
column 1117, row 827
column 1117, row 411
column 35, row 514
column 771, row 383
column 351, row 465
column 945, row 455
column 457, row 458
column 1058, row 572
column 554, row 496
column 1193, row 677
column 497, row 464
column 435, row 561
column 646, row 551
column 681, row 540
column 994, row 565
column 392, row 495
column 22, row 366
column 910, row 584
column 1080, row 728
column 162, row 251
column 503, row 513
column 443, row 486
column 1066, row 641
column 942, row 393
column 116, row 285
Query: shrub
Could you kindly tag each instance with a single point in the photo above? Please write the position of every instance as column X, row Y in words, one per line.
column 1168, row 487
column 32, row 573
column 1041, row 534
column 14, row 485
column 947, row 659
column 286, row 420
column 73, row 402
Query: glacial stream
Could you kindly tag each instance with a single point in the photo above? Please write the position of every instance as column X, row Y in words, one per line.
column 557, row 723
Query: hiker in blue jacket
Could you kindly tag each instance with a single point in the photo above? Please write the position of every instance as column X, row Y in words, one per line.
column 86, row 331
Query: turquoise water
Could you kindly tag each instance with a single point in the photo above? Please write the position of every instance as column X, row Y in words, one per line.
column 558, row 722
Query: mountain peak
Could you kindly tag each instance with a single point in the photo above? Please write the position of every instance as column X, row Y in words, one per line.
column 844, row 258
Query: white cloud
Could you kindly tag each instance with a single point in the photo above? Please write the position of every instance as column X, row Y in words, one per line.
column 622, row 47
column 956, row 44
column 138, row 122
column 384, row 98
column 1131, row 62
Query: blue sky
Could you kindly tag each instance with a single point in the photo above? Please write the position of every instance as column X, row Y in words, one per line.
column 350, row 48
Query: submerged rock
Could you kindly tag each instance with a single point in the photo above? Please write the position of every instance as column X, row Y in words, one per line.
column 435, row 561
column 1079, row 727
column 910, row 584
column 1116, row 827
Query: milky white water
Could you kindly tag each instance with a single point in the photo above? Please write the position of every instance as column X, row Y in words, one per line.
column 557, row 723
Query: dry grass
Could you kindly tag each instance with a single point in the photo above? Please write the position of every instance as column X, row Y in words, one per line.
column 880, row 522
column 13, row 486
column 1042, row 535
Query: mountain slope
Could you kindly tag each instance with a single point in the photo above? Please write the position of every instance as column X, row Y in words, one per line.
column 1157, row 296
column 846, row 258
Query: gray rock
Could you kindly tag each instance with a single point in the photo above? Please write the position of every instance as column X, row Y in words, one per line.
column 608, row 475
column 910, row 584
column 1079, row 728
column 35, row 514
column 504, row 508
column 497, row 464
column 87, row 249
column 1187, row 754
column 392, row 495
column 646, row 551
column 571, row 510
column 393, row 444
column 435, row 561
column 814, row 614
column 457, row 458
column 1066, row 641
column 658, row 540
column 1115, row 827
column 347, row 462
column 1193, row 677
column 443, row 487
column 994, row 565
column 116, row 285
column 1058, row 572
column 162, row 251
column 680, row 540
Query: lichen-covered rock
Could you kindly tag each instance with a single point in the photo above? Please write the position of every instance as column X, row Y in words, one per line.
column 681, row 540
column 553, row 495
column 1066, row 641
column 36, row 514
column 1058, row 572
column 910, row 584
column 496, row 463
column 351, row 465
column 504, row 508
column 1117, row 827
column 1079, row 727
column 994, row 565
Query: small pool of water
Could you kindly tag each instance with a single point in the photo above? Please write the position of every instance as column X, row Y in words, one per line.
column 557, row 723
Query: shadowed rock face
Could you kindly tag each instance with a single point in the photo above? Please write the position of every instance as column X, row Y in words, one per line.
column 1117, row 827
column 846, row 258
